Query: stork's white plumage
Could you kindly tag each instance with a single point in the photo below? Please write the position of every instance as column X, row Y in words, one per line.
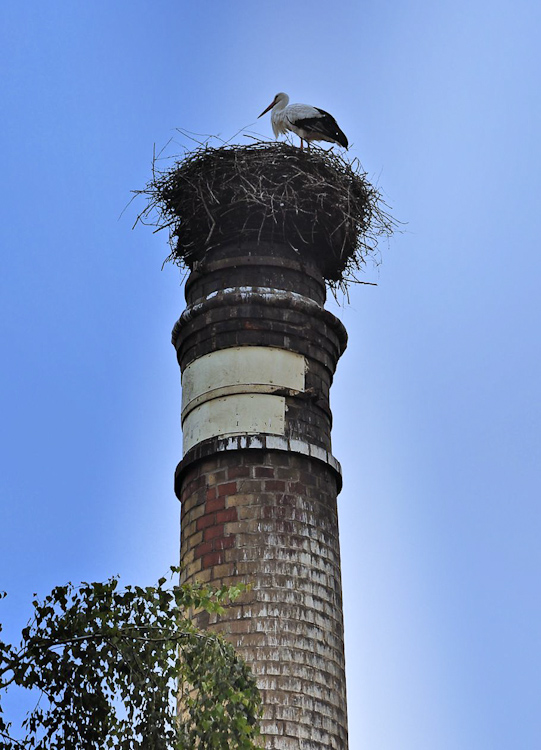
column 309, row 123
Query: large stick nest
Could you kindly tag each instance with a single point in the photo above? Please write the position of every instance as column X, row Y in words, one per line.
column 316, row 202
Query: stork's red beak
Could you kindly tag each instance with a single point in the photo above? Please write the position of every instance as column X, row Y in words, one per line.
column 271, row 105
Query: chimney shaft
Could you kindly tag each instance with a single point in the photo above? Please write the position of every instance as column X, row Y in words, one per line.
column 258, row 482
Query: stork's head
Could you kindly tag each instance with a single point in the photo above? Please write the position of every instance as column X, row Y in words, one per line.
column 281, row 99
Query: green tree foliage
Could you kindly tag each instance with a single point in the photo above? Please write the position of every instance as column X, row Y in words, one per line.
column 108, row 665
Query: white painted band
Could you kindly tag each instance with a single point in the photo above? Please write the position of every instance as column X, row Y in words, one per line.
column 239, row 414
column 241, row 369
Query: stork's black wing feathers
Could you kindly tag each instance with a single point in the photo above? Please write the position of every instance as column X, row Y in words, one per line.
column 326, row 125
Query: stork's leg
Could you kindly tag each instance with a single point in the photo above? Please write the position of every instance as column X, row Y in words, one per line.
column 302, row 143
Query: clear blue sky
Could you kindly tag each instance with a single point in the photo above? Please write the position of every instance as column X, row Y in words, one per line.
column 436, row 401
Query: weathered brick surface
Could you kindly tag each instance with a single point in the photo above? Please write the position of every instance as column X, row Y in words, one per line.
column 277, row 530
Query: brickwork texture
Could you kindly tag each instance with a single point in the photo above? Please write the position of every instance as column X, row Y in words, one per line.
column 269, row 519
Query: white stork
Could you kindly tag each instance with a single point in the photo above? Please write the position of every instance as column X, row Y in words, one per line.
column 309, row 123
